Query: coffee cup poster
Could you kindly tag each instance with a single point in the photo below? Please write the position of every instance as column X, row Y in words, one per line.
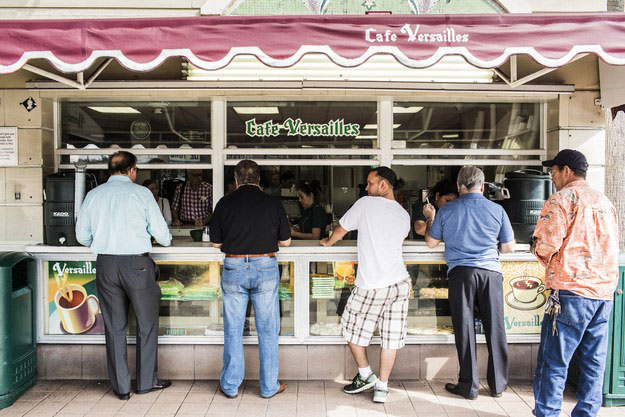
column 524, row 296
column 72, row 299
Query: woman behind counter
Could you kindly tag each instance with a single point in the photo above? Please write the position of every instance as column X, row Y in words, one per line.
column 314, row 220
column 162, row 202
column 443, row 192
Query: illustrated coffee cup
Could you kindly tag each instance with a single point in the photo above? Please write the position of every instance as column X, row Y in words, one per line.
column 78, row 315
column 526, row 289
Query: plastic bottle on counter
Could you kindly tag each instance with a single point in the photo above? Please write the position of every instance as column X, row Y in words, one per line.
column 479, row 328
column 206, row 234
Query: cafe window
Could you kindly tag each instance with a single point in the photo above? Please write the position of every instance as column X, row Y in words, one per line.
column 302, row 124
column 135, row 124
column 163, row 135
column 458, row 125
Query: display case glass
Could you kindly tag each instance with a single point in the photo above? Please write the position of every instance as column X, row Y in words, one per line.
column 192, row 307
column 331, row 283
column 191, row 300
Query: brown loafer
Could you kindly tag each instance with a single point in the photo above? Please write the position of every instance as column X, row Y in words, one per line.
column 281, row 388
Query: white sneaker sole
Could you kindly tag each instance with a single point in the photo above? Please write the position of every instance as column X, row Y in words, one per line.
column 380, row 399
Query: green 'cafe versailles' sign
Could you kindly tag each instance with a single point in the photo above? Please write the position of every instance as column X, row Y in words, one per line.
column 295, row 127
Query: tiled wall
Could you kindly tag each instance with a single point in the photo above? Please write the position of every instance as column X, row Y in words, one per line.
column 300, row 362
column 21, row 197
column 577, row 122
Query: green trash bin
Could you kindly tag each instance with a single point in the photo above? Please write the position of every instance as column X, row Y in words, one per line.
column 18, row 350
column 614, row 377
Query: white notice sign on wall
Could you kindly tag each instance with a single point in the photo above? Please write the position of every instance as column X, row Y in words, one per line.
column 8, row 146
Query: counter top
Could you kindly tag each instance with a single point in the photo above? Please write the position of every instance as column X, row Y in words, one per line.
column 183, row 245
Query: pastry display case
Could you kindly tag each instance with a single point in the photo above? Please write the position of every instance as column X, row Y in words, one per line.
column 331, row 283
column 315, row 283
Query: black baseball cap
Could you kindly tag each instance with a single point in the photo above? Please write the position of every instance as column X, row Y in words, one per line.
column 568, row 157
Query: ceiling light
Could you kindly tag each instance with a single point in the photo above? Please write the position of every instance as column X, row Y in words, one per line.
column 256, row 110
column 401, row 110
column 374, row 126
column 452, row 136
column 367, row 137
column 115, row 109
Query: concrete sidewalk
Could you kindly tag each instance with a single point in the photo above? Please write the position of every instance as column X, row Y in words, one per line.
column 301, row 398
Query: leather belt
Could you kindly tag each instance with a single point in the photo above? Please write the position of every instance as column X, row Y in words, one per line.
column 256, row 255
column 139, row 255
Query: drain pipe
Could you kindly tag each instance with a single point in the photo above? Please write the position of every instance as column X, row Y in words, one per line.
column 79, row 186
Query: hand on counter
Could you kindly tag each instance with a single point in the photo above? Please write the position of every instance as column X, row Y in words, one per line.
column 176, row 222
column 429, row 211
column 295, row 232
column 325, row 242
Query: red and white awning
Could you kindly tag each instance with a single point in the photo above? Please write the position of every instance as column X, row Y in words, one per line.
column 416, row 41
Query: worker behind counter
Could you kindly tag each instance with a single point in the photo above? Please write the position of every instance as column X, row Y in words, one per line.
column 440, row 194
column 314, row 220
column 193, row 200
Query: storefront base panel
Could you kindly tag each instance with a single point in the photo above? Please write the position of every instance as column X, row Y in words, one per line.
column 297, row 362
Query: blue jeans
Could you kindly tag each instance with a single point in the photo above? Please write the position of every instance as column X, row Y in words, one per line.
column 258, row 279
column 583, row 326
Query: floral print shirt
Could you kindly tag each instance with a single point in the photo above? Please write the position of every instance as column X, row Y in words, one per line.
column 576, row 240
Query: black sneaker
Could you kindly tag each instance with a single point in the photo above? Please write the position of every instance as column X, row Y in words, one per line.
column 359, row 385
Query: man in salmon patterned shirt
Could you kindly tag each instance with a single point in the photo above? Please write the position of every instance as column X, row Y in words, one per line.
column 576, row 240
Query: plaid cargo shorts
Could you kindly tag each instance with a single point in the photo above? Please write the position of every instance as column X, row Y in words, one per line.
column 386, row 308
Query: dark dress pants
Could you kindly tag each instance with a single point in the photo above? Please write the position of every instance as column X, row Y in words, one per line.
column 469, row 287
column 121, row 280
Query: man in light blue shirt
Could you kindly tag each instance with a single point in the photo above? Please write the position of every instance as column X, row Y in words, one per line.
column 116, row 221
column 475, row 230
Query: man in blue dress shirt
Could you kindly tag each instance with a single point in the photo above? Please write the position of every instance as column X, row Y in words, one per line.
column 475, row 230
column 116, row 221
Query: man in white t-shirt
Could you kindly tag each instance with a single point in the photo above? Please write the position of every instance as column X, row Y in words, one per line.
column 382, row 283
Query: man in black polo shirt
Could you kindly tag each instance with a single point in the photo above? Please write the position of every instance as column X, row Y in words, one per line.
column 249, row 225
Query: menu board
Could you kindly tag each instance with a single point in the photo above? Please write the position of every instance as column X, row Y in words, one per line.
column 524, row 296
column 8, row 146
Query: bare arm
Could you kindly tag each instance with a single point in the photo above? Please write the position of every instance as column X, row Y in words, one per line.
column 429, row 212
column 217, row 245
column 337, row 235
column 175, row 217
column 507, row 247
column 429, row 240
column 419, row 227
column 284, row 243
column 315, row 235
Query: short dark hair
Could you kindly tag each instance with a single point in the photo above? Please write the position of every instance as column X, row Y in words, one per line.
column 580, row 173
column 149, row 182
column 121, row 162
column 389, row 175
column 443, row 187
column 247, row 172
column 286, row 175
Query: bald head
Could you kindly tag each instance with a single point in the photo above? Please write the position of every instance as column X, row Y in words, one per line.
column 120, row 163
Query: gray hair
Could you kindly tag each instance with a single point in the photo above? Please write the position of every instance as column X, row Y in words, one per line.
column 471, row 178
